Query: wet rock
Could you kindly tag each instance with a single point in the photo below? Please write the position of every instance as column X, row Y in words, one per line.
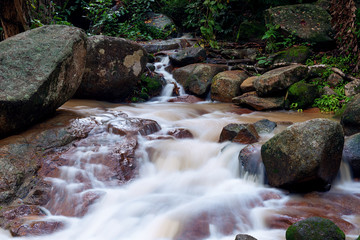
column 180, row 133
column 334, row 79
column 314, row 228
column 250, row 158
column 248, row 84
column 240, row 133
column 306, row 21
column 163, row 45
column 352, row 88
column 297, row 54
column 303, row 94
column 351, row 154
column 187, row 99
column 188, row 56
column 265, row 126
column 350, row 120
column 304, row 157
column 244, row 237
column 133, row 126
column 51, row 61
column 278, row 80
column 252, row 100
column 196, row 78
column 113, row 67
column 226, row 85
column 36, row 228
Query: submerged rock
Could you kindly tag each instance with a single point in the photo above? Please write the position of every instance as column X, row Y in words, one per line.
column 40, row 70
column 304, row 157
column 250, row 158
column 113, row 67
column 351, row 154
column 314, row 228
column 350, row 120
column 226, row 85
column 196, row 78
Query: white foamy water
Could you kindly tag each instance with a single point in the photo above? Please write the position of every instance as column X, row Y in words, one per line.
column 186, row 189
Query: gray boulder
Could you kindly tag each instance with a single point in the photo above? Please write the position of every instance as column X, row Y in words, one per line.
column 278, row 80
column 265, row 126
column 314, row 228
column 304, row 157
column 307, row 21
column 350, row 120
column 113, row 67
column 351, row 154
column 188, row 56
column 40, row 70
column 226, row 85
column 197, row 78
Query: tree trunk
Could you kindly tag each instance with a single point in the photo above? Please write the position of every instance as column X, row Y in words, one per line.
column 13, row 17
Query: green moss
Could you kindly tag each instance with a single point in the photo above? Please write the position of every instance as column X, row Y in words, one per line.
column 297, row 54
column 303, row 94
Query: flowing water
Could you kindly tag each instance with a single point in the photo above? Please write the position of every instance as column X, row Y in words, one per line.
column 186, row 189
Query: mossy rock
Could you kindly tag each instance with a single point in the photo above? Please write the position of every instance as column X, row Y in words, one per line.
column 303, row 94
column 314, row 228
column 297, row 54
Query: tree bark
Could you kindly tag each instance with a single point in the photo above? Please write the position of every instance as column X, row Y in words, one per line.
column 13, row 17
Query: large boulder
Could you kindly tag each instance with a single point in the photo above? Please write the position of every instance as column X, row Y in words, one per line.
column 40, row 70
column 252, row 100
column 351, row 154
column 314, row 228
column 196, row 78
column 350, row 120
column 307, row 21
column 226, row 85
column 278, row 80
column 188, row 56
column 113, row 67
column 304, row 157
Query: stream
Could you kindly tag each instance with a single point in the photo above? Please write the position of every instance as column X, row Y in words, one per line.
column 186, row 189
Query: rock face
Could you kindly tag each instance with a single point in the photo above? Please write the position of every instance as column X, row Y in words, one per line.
column 226, row 85
column 307, row 21
column 314, row 228
column 278, row 80
column 188, row 56
column 303, row 94
column 252, row 100
column 304, row 157
column 240, row 133
column 113, row 67
column 350, row 119
column 196, row 78
column 351, row 154
column 40, row 70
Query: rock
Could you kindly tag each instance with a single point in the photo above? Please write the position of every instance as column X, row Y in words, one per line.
column 113, row 67
column 196, row 78
column 187, row 99
column 304, row 157
column 51, row 61
column 350, row 120
column 251, row 99
column 188, row 56
column 155, row 46
column 297, row 54
column 248, row 84
column 133, row 126
column 36, row 228
column 265, row 126
column 278, row 80
column 351, row 154
column 352, row 88
column 240, row 133
column 334, row 79
column 303, row 94
column 244, row 237
column 159, row 21
column 180, row 133
column 246, row 53
column 314, row 228
column 328, row 91
column 307, row 21
column 325, row 4
column 226, row 85
column 250, row 158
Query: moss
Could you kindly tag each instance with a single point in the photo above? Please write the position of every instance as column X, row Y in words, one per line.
column 297, row 54
column 303, row 94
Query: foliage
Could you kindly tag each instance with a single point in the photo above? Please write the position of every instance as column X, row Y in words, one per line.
column 147, row 87
column 276, row 41
column 332, row 103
